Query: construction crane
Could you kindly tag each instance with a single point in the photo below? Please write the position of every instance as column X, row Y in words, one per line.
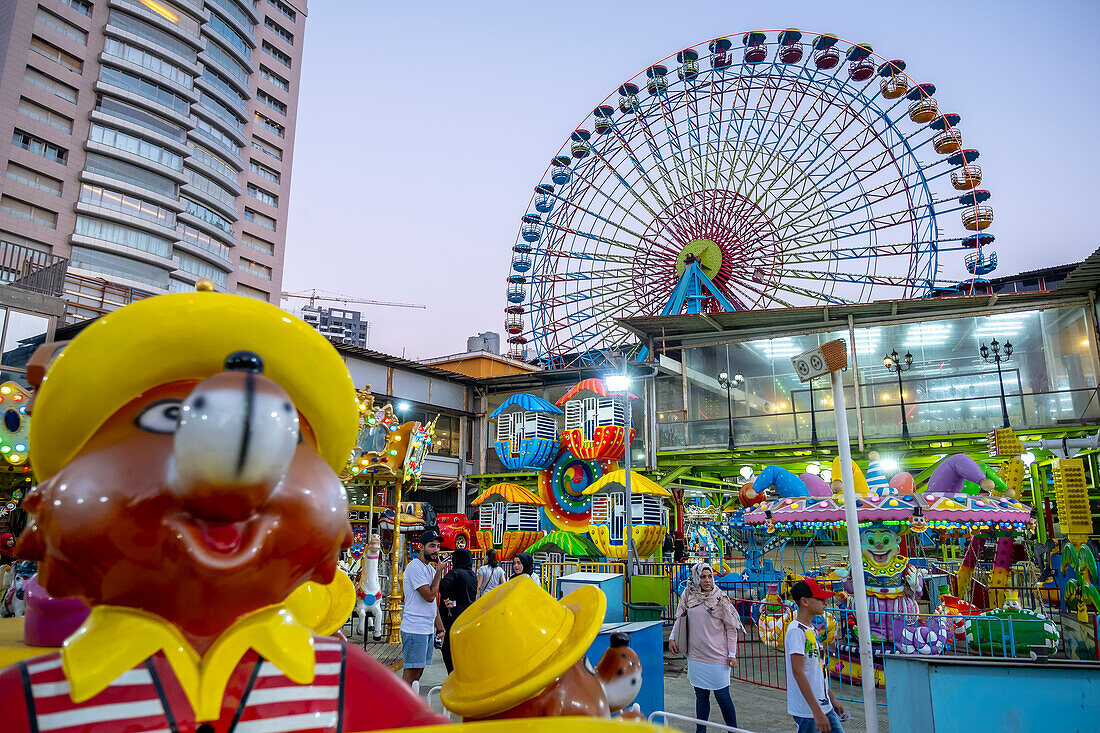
column 313, row 297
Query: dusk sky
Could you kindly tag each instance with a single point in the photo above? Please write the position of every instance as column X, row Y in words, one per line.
column 424, row 126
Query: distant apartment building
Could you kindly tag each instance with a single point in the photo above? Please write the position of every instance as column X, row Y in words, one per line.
column 347, row 327
column 151, row 143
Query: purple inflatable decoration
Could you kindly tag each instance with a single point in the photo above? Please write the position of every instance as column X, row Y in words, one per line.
column 816, row 485
column 949, row 476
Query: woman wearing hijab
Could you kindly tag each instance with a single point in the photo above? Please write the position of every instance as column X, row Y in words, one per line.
column 457, row 590
column 706, row 631
column 523, row 564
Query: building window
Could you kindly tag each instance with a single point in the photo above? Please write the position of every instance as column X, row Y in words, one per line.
column 276, row 54
column 259, row 219
column 120, row 170
column 213, row 162
column 55, row 54
column 217, row 137
column 263, row 171
column 81, row 6
column 109, row 263
column 227, row 63
column 137, row 146
column 34, row 179
column 254, row 268
column 283, row 8
column 142, row 88
column 30, row 212
column 271, row 102
column 202, row 240
column 199, row 211
column 151, row 33
column 212, row 189
column 109, row 231
column 251, row 292
column 130, row 113
column 149, row 62
column 270, row 125
column 231, row 9
column 38, row 146
column 222, row 28
column 220, row 111
column 262, row 195
column 260, row 245
column 219, row 82
column 274, row 78
column 42, row 81
column 266, row 147
column 126, row 204
column 198, row 268
column 279, row 30
column 37, row 112
column 64, row 27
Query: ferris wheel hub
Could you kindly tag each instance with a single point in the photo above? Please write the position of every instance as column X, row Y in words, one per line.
column 704, row 251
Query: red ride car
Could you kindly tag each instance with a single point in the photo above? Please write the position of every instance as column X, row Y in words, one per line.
column 458, row 532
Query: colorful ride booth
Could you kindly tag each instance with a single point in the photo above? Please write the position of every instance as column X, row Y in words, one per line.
column 896, row 582
column 509, row 519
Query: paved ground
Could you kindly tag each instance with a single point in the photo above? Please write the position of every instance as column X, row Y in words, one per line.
column 759, row 709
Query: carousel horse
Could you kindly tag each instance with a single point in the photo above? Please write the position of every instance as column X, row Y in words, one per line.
column 369, row 590
column 13, row 580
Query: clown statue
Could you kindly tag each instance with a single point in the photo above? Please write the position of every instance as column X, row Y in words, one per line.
column 893, row 584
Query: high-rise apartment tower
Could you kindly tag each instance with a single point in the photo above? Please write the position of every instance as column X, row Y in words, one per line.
column 151, row 143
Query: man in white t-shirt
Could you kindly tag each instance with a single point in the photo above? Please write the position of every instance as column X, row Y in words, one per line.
column 420, row 617
column 810, row 700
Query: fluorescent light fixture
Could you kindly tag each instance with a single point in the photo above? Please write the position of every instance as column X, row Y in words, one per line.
column 402, row 406
column 1028, row 458
column 888, row 464
column 813, row 468
column 746, row 472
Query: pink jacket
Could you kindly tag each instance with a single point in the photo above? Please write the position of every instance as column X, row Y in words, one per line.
column 709, row 638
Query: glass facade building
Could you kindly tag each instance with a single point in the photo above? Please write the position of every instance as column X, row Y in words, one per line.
column 150, row 141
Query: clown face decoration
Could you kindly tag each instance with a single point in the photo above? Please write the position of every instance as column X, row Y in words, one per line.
column 881, row 545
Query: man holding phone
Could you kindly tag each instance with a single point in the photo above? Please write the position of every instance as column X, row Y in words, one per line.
column 420, row 619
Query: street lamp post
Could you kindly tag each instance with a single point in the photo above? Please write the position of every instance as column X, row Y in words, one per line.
column 729, row 383
column 993, row 354
column 895, row 363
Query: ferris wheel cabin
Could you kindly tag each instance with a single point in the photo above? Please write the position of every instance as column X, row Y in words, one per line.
column 947, row 139
column 969, row 175
column 894, row 83
column 580, row 146
column 755, row 50
column 544, row 198
column 860, row 65
column 689, row 63
column 826, row 56
column 922, row 108
column 595, row 421
column 790, row 48
column 658, row 81
column 559, row 170
column 628, row 98
column 720, row 58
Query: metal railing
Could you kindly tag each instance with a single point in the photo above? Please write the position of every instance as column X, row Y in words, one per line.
column 667, row 716
column 29, row 269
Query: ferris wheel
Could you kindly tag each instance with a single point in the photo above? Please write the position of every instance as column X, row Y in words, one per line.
column 788, row 171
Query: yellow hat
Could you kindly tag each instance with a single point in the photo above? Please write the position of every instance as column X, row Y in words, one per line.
column 184, row 336
column 514, row 641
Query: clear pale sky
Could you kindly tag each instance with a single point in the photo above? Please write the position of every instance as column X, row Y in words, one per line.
column 424, row 126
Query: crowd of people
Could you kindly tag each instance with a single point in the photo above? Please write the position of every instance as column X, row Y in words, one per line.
column 706, row 630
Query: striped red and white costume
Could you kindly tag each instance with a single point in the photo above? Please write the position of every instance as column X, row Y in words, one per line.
column 350, row 692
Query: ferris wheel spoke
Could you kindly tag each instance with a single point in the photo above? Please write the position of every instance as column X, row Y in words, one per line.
column 635, row 161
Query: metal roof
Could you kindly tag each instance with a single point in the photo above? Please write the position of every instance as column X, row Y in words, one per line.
column 770, row 322
column 1085, row 278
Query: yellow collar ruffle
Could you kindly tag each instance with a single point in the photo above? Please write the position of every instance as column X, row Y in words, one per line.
column 114, row 640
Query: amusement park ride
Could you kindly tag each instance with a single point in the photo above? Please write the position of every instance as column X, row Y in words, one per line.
column 796, row 169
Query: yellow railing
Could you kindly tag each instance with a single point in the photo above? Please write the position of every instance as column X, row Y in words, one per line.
column 552, row 571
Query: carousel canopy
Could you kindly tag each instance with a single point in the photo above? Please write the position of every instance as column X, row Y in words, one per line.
column 511, row 493
column 938, row 510
column 528, row 402
column 639, row 484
